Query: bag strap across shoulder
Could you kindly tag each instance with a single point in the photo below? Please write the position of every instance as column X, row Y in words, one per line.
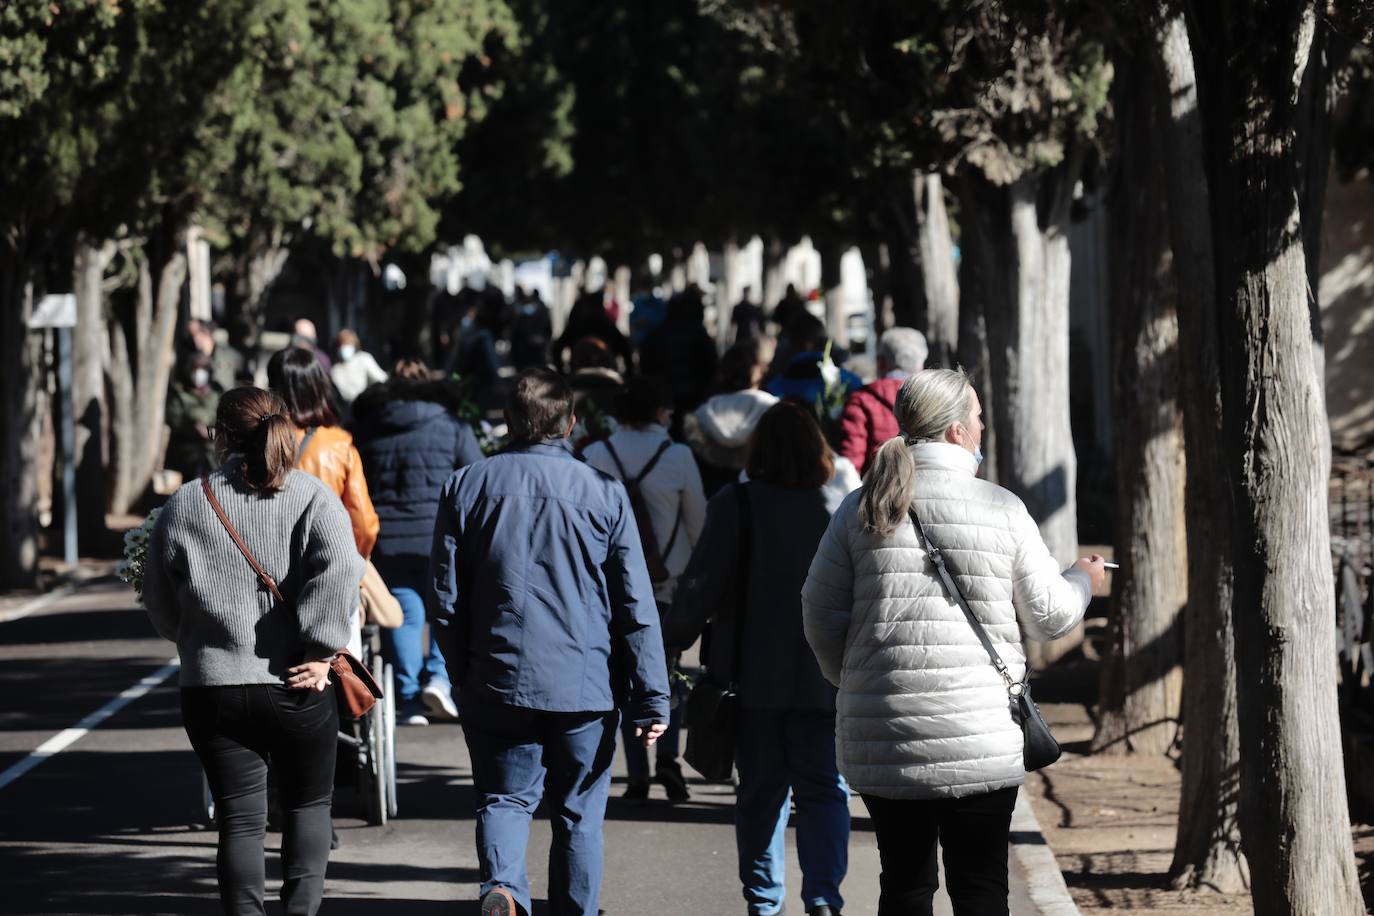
column 305, row 443
column 745, row 532
column 938, row 558
column 268, row 582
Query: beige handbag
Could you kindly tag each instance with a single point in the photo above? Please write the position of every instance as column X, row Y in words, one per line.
column 379, row 606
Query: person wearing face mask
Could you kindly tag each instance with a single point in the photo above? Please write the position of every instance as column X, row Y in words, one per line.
column 925, row 728
column 356, row 370
column 192, row 400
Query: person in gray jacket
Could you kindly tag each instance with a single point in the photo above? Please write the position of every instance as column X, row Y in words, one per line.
column 254, row 672
column 752, row 558
column 924, row 730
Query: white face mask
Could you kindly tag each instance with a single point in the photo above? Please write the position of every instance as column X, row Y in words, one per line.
column 978, row 456
column 346, row 352
column 200, row 377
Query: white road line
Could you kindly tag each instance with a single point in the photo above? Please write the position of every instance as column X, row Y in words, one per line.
column 37, row 604
column 66, row 738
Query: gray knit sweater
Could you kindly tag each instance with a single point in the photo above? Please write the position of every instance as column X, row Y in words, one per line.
column 202, row 594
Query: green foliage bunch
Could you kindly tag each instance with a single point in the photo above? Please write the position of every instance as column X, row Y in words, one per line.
column 97, row 109
column 343, row 119
column 1003, row 87
column 336, row 118
column 633, row 127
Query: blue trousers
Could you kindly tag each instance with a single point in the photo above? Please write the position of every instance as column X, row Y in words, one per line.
column 782, row 754
column 518, row 757
column 416, row 661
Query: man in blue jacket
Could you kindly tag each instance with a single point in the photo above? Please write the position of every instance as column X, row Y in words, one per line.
column 546, row 615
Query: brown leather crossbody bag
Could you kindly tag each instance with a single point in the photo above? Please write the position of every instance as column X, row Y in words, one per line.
column 354, row 686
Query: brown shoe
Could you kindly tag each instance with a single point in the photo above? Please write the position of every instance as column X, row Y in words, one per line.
column 499, row 902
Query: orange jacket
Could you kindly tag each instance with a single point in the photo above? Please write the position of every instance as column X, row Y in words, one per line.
column 332, row 457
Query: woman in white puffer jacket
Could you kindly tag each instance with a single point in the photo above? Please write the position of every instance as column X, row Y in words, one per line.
column 924, row 726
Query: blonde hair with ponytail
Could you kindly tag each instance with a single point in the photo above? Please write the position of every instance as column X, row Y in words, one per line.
column 928, row 403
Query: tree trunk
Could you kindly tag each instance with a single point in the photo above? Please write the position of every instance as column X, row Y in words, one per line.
column 1294, row 818
column 878, row 271
column 1138, row 705
column 18, row 419
column 141, row 381
column 981, row 246
column 258, row 266
column 1316, row 106
column 909, row 307
column 774, row 281
column 90, row 353
column 727, row 293
column 1207, row 849
column 938, row 270
column 835, row 324
column 1023, row 270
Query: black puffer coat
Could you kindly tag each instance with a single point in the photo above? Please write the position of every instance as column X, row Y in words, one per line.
column 411, row 442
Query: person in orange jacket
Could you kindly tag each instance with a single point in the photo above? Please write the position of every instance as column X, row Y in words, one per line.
column 323, row 448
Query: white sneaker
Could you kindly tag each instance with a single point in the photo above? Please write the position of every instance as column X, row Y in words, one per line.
column 439, row 702
column 414, row 719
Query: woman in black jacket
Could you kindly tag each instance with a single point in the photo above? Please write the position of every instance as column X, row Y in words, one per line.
column 753, row 556
column 411, row 441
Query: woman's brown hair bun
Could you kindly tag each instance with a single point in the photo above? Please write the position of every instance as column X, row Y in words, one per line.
column 253, row 423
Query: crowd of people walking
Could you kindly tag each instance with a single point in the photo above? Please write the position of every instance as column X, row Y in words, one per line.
column 647, row 494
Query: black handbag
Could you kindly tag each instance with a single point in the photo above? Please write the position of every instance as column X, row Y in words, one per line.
column 712, row 714
column 1039, row 748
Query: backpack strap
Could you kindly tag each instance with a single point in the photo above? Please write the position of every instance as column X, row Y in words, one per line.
column 653, row 462
column 635, row 482
column 672, row 538
column 890, row 405
column 616, row 458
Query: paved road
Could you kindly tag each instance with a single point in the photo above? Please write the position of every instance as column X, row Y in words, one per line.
column 109, row 825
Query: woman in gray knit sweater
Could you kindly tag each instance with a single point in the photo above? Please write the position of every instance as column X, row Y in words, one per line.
column 254, row 674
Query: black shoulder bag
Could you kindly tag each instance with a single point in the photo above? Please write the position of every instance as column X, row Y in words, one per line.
column 712, row 714
column 1039, row 748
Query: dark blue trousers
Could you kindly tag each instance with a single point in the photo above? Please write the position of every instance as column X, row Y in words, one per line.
column 518, row 757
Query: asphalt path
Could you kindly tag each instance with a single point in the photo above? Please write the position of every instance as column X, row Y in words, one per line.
column 111, row 821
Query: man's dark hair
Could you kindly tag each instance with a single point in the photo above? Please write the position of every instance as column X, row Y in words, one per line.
column 641, row 401
column 540, row 406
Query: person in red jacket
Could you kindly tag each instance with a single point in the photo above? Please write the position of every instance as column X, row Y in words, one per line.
column 869, row 419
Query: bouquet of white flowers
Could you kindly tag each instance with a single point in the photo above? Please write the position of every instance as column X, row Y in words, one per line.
column 831, row 399
column 131, row 569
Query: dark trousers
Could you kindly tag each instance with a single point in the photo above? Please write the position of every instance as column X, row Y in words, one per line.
column 235, row 732
column 520, row 756
column 973, row 832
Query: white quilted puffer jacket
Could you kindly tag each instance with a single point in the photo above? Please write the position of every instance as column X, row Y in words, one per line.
column 922, row 713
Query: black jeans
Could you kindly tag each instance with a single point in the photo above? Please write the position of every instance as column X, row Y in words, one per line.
column 235, row 732
column 973, row 832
